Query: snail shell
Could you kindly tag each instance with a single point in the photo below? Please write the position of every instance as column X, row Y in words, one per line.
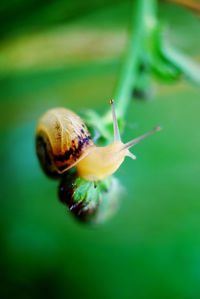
column 62, row 140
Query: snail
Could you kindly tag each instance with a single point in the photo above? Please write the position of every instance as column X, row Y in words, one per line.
column 63, row 141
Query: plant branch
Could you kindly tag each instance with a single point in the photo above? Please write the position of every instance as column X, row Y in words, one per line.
column 143, row 21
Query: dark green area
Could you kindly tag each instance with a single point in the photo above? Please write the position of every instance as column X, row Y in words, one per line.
column 151, row 247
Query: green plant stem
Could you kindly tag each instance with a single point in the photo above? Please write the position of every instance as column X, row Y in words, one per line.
column 143, row 20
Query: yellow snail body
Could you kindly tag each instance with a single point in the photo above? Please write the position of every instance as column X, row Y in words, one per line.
column 63, row 141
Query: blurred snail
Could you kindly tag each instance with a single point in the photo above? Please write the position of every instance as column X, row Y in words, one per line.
column 63, row 141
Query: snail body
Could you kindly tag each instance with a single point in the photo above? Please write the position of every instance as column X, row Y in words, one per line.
column 63, row 141
column 107, row 160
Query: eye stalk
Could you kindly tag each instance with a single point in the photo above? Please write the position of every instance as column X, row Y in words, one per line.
column 115, row 124
column 133, row 142
column 138, row 139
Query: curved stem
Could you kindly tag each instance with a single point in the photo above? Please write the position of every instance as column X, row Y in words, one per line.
column 143, row 20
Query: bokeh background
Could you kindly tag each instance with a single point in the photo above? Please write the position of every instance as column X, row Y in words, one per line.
column 69, row 53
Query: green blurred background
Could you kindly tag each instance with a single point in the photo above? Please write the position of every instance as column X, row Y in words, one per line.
column 69, row 53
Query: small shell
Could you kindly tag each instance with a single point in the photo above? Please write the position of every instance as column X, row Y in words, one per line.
column 62, row 140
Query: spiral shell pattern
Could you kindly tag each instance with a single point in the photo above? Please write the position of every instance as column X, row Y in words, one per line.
column 62, row 139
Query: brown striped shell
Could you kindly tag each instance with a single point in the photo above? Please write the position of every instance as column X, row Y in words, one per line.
column 62, row 140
